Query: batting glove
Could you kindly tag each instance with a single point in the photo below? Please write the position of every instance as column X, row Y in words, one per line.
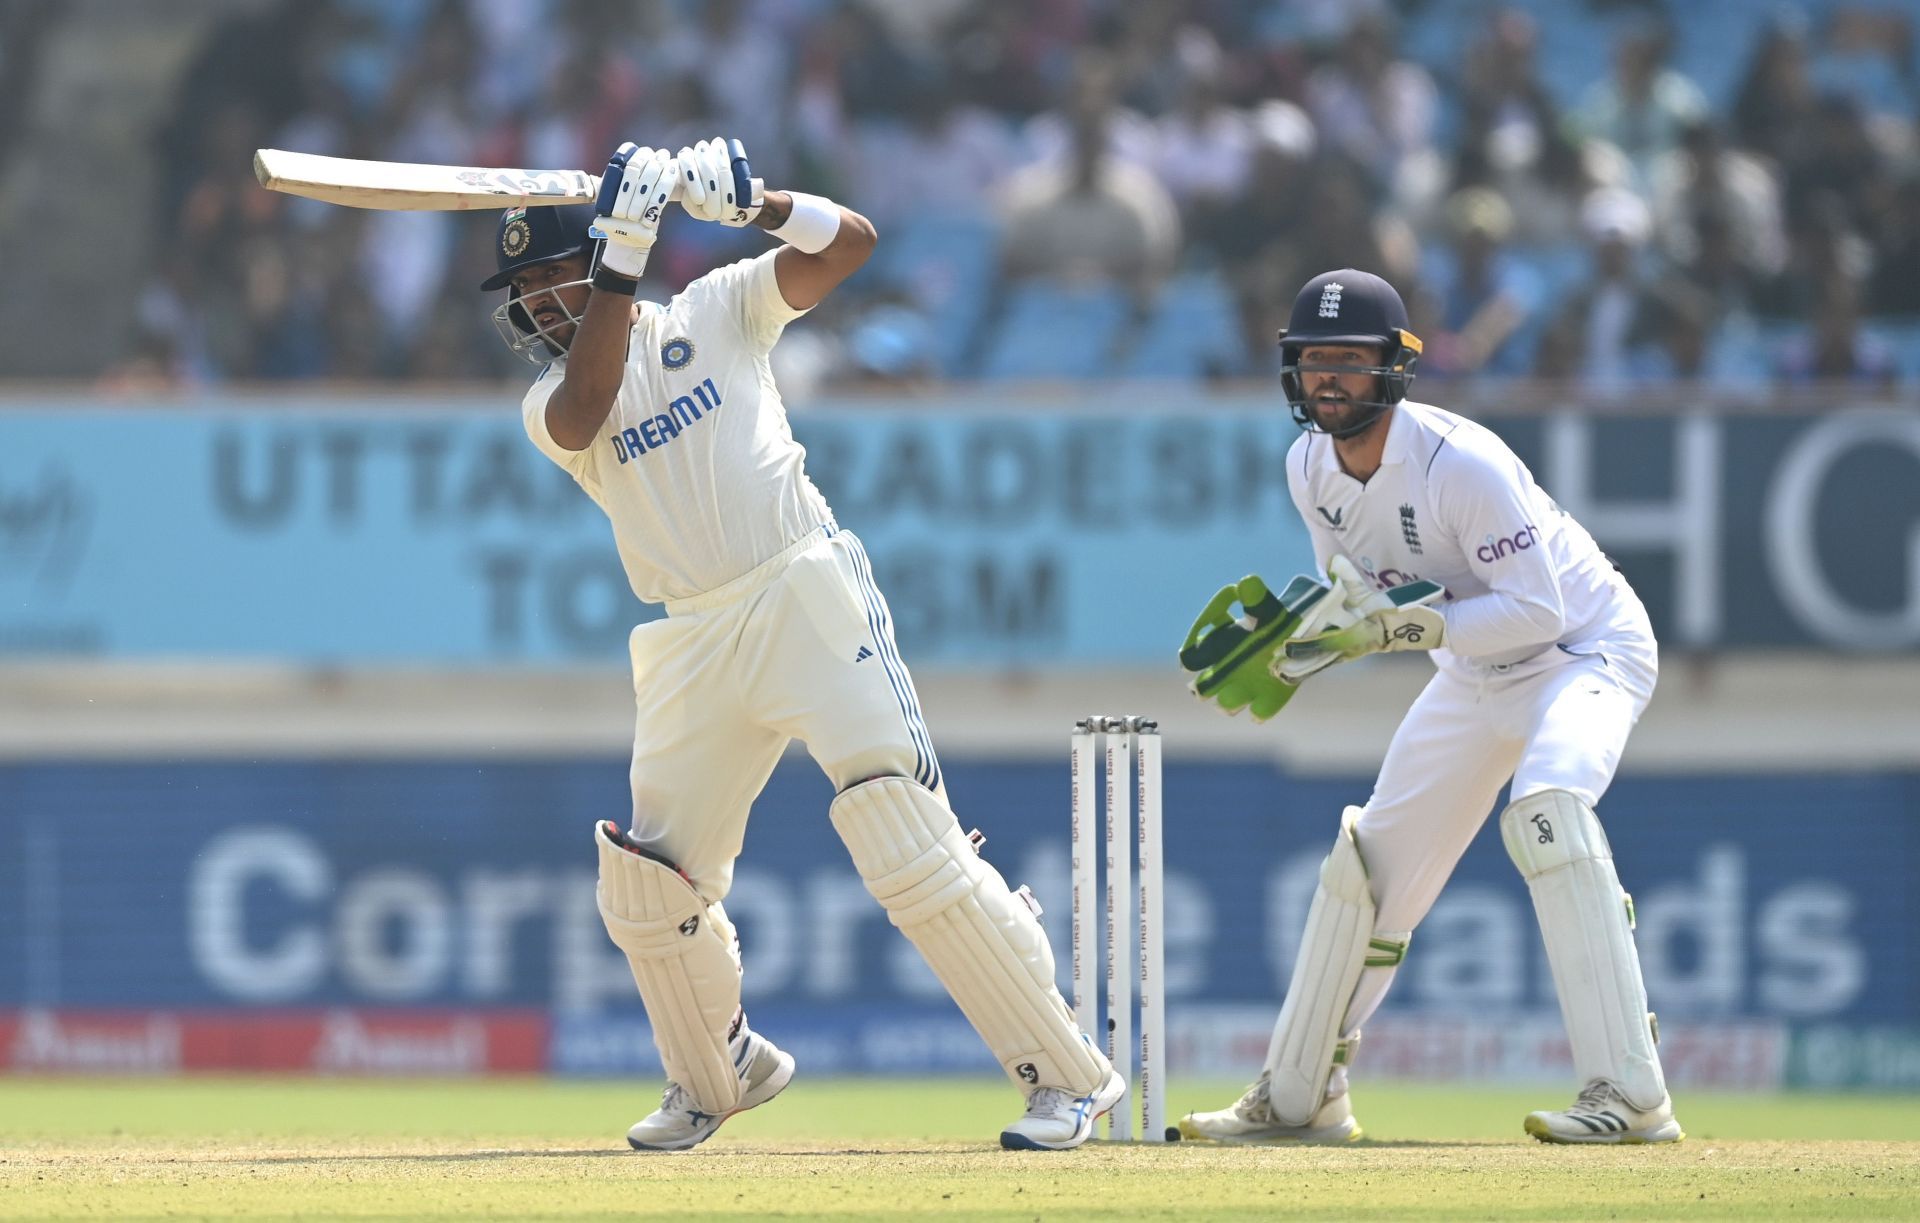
column 633, row 194
column 716, row 184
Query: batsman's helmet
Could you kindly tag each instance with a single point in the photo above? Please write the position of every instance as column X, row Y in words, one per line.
column 1348, row 307
column 527, row 237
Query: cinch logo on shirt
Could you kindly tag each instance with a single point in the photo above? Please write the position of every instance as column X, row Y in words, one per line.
column 1497, row 547
column 657, row 432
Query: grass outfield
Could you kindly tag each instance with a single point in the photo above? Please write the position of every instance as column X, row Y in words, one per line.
column 535, row 1149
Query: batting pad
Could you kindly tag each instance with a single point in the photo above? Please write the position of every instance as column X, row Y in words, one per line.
column 1339, row 942
column 984, row 943
column 682, row 954
column 1586, row 920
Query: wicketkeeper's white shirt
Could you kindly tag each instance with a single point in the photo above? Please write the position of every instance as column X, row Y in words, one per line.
column 1452, row 503
column 696, row 466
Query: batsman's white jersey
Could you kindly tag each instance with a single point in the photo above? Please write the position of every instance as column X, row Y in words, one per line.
column 696, row 466
column 775, row 629
column 1549, row 657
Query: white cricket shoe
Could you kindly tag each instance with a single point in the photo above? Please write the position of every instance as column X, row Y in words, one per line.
column 1058, row 1120
column 678, row 1123
column 1602, row 1114
column 1251, row 1122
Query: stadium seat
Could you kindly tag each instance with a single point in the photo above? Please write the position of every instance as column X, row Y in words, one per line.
column 945, row 265
column 1055, row 331
column 1193, row 331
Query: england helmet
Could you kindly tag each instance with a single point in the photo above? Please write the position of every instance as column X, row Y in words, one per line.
column 1348, row 307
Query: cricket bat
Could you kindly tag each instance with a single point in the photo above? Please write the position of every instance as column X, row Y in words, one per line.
column 409, row 186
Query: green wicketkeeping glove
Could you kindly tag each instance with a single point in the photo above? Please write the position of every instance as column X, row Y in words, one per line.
column 1232, row 655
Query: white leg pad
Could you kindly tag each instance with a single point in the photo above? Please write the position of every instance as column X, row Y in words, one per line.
column 983, row 942
column 1585, row 918
column 1339, row 942
column 684, row 959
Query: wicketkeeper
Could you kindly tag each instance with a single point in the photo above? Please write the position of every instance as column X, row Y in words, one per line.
column 1433, row 536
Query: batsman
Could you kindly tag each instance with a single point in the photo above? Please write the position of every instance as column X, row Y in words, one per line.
column 1432, row 535
column 669, row 418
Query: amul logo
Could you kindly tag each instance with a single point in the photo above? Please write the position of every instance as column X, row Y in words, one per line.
column 1330, row 299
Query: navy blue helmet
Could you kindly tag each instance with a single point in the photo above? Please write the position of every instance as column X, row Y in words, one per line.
column 525, row 238
column 1348, row 307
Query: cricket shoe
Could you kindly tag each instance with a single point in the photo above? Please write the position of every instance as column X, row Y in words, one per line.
column 1251, row 1122
column 1601, row 1114
column 678, row 1123
column 1058, row 1120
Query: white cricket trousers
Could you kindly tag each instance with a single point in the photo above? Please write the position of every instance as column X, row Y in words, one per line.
column 1558, row 722
column 801, row 647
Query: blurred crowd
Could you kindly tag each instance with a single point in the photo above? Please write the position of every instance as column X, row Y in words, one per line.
column 1611, row 192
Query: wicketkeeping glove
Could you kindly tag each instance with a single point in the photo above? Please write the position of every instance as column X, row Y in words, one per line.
column 716, row 184
column 1384, row 622
column 633, row 193
column 1233, row 655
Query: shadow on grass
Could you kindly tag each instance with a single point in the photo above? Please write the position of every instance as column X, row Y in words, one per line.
column 503, row 1153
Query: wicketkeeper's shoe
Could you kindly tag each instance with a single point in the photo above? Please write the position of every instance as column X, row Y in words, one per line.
column 1602, row 1114
column 678, row 1123
column 1058, row 1120
column 1251, row 1121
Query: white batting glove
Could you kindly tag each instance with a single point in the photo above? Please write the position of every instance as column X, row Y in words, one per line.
column 716, row 183
column 633, row 196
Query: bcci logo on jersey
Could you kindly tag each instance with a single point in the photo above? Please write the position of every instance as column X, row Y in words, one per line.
column 677, row 353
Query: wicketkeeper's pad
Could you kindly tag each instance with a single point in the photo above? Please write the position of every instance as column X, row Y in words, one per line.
column 1587, row 921
column 983, row 942
column 1339, row 942
column 685, row 959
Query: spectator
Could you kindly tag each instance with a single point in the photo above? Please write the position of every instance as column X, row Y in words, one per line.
column 1839, row 161
column 1501, row 89
column 1868, row 56
column 1705, row 176
column 1645, row 105
column 1773, row 110
column 1822, row 244
column 1835, row 349
column 1479, row 298
column 1324, row 215
column 1090, row 214
column 1802, row 178
column 1616, row 331
column 1547, row 192
column 1011, row 56
column 1202, row 148
column 1896, row 275
column 749, row 96
column 935, row 138
column 1377, row 109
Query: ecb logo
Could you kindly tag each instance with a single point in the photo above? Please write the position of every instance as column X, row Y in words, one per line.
column 1330, row 299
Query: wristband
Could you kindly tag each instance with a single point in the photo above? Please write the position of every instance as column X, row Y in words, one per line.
column 606, row 280
column 812, row 224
